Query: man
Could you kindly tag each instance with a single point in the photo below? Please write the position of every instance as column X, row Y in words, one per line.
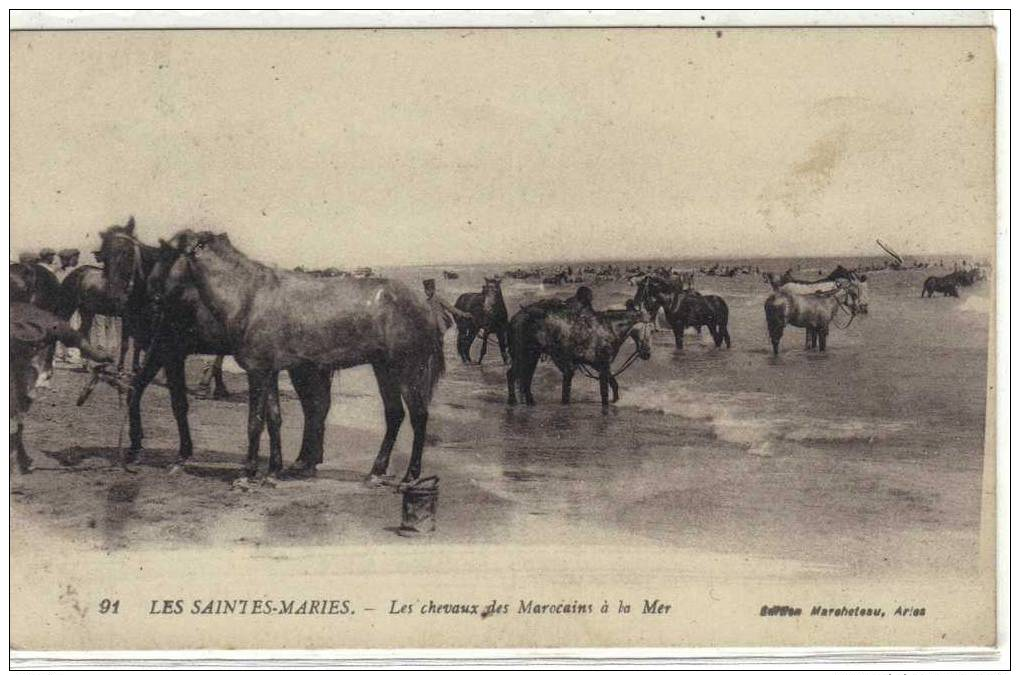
column 68, row 261
column 28, row 258
column 47, row 259
column 34, row 333
column 443, row 312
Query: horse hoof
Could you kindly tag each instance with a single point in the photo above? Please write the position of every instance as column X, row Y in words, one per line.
column 299, row 471
column 377, row 481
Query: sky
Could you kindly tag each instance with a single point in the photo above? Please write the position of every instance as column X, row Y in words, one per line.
column 389, row 147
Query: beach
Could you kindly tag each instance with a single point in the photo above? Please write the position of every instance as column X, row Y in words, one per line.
column 865, row 460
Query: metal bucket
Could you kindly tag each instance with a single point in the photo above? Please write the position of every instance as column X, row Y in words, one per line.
column 418, row 513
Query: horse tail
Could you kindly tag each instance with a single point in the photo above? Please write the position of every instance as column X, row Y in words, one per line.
column 423, row 379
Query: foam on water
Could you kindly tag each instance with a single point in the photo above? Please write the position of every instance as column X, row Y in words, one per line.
column 754, row 421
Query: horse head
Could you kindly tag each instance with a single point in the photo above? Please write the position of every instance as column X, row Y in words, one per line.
column 854, row 295
column 178, row 259
column 120, row 254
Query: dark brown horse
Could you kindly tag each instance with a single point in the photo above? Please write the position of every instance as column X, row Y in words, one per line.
column 947, row 286
column 572, row 339
column 685, row 308
column 488, row 315
column 188, row 328
column 277, row 319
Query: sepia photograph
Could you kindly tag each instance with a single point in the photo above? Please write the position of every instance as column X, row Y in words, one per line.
column 501, row 337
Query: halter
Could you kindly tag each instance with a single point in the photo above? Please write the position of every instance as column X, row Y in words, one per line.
column 137, row 273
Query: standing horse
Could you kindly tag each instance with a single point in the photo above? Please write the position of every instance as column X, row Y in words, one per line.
column 685, row 308
column 488, row 314
column 278, row 319
column 946, row 285
column 571, row 339
column 813, row 312
column 187, row 328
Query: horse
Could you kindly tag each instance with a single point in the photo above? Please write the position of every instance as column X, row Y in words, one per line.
column 86, row 292
column 183, row 328
column 684, row 308
column 277, row 319
column 825, row 286
column 571, row 339
column 488, row 314
column 946, row 285
column 813, row 312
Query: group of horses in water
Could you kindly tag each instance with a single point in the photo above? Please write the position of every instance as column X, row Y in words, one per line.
column 198, row 294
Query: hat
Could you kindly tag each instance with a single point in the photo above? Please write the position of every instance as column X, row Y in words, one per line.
column 68, row 252
column 46, row 252
column 429, row 282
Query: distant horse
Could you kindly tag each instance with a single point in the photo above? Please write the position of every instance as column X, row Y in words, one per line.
column 685, row 309
column 946, row 285
column 86, row 292
column 180, row 328
column 488, row 314
column 813, row 312
column 278, row 319
column 571, row 340
column 447, row 274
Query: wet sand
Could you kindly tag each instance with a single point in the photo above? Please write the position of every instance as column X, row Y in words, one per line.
column 866, row 460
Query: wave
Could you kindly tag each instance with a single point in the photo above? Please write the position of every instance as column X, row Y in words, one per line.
column 760, row 423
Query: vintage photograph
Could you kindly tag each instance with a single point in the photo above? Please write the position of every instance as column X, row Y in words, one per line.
column 427, row 338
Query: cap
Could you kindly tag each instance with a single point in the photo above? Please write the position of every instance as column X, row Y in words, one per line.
column 429, row 282
column 27, row 257
column 68, row 252
column 46, row 252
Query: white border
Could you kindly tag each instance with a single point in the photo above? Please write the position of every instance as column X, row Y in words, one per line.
column 708, row 659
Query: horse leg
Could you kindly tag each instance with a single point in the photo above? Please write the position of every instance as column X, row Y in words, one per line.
column 175, row 382
column 485, row 344
column 724, row 331
column 465, row 336
column 678, row 334
column 823, row 334
column 312, row 385
column 808, row 334
column 501, row 337
column 615, row 386
column 274, row 421
column 528, row 374
column 258, row 392
column 220, row 390
column 153, row 363
column 716, row 337
column 393, row 409
column 418, row 411
column 568, row 378
column 604, row 385
column 511, row 387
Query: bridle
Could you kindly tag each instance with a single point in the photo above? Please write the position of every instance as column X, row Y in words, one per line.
column 137, row 272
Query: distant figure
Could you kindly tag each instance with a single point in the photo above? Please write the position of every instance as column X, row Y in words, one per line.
column 34, row 333
column 28, row 258
column 47, row 258
column 442, row 311
column 582, row 301
column 68, row 261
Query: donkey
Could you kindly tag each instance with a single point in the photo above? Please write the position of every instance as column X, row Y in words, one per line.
column 812, row 312
column 276, row 319
column 571, row 339
column 488, row 314
column 684, row 308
